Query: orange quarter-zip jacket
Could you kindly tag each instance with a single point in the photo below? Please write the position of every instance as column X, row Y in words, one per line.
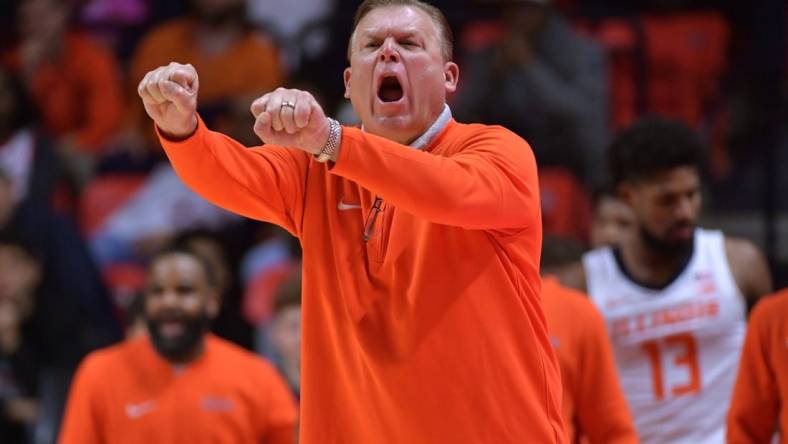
column 431, row 331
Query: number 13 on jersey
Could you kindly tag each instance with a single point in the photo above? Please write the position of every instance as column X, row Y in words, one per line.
column 684, row 351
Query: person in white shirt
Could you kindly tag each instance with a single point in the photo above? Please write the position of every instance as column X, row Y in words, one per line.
column 674, row 296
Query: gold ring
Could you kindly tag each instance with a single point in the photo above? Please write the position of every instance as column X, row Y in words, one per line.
column 287, row 104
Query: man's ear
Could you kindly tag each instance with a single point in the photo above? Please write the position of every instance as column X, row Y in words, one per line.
column 346, row 76
column 451, row 75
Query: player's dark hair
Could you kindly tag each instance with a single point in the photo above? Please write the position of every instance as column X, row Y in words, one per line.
column 650, row 146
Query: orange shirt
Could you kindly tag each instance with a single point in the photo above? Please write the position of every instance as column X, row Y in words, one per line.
column 430, row 332
column 82, row 95
column 594, row 408
column 249, row 66
column 129, row 394
column 760, row 397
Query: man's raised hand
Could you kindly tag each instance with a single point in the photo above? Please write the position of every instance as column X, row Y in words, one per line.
column 290, row 118
column 169, row 94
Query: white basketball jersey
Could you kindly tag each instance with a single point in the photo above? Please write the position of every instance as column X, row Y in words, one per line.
column 677, row 349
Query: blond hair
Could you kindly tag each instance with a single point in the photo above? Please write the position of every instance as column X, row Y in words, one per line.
column 447, row 38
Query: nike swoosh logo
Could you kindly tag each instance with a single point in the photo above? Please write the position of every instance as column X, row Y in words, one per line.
column 135, row 411
column 342, row 206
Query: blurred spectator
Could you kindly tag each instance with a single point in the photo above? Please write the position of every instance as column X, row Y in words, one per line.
column 566, row 207
column 74, row 81
column 543, row 81
column 285, row 331
column 235, row 62
column 152, row 217
column 117, row 23
column 76, row 315
column 264, row 268
column 20, row 345
column 611, row 219
column 27, row 155
column 686, row 58
column 187, row 385
column 229, row 323
column 301, row 26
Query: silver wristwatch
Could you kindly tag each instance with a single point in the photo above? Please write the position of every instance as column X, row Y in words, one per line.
column 332, row 144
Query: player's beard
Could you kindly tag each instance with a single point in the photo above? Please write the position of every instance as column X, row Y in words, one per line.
column 184, row 346
column 665, row 248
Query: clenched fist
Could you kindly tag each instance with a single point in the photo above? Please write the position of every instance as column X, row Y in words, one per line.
column 169, row 94
column 291, row 118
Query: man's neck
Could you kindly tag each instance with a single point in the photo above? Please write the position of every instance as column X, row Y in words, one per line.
column 425, row 137
column 649, row 265
column 187, row 358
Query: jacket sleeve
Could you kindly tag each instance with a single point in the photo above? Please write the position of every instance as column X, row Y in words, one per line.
column 82, row 418
column 265, row 183
column 752, row 417
column 602, row 410
column 491, row 183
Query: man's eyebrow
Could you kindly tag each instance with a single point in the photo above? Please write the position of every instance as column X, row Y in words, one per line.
column 400, row 33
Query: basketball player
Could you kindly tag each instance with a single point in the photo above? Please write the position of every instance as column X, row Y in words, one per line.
column 674, row 296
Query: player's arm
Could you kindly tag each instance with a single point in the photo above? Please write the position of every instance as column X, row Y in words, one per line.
column 82, row 418
column 602, row 410
column 490, row 184
column 749, row 268
column 752, row 418
column 265, row 183
column 574, row 276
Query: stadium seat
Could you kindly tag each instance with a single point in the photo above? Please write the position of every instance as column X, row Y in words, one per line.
column 103, row 196
column 566, row 207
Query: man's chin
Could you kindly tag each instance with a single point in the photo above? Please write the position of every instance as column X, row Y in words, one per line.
column 672, row 245
column 179, row 349
column 399, row 128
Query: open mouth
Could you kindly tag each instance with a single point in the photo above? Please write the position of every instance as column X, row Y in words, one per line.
column 171, row 328
column 390, row 90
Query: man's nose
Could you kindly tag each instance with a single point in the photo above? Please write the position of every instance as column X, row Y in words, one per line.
column 683, row 208
column 388, row 51
column 169, row 299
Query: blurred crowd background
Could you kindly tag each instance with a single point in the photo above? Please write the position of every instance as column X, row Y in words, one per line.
column 87, row 196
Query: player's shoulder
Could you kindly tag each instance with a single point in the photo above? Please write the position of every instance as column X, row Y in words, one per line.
column 570, row 313
column 749, row 267
column 573, row 300
column 480, row 132
column 740, row 249
column 769, row 309
column 112, row 359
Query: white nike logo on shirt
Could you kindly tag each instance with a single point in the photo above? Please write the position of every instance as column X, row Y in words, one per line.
column 135, row 411
column 342, row 206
